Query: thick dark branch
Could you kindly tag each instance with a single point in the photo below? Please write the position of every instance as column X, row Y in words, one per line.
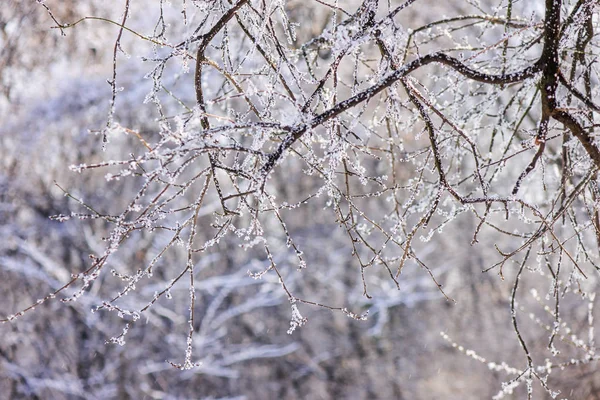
column 440, row 58
column 549, row 58
column 388, row 81
column 579, row 132
column 206, row 39
column 550, row 79
column 548, row 82
column 530, row 167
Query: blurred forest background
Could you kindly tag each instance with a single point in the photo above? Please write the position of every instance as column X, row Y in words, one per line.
column 54, row 99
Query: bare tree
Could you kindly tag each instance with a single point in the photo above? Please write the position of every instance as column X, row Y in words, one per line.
column 388, row 122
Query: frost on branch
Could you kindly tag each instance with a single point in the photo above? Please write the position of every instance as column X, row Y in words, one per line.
column 379, row 158
column 297, row 319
